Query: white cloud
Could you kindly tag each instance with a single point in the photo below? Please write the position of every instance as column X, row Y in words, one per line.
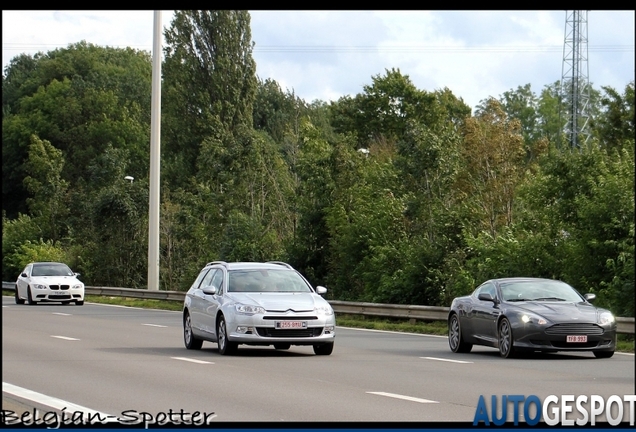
column 328, row 54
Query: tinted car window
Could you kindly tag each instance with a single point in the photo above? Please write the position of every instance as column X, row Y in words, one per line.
column 486, row 288
column 536, row 290
column 51, row 270
column 199, row 278
column 207, row 279
column 217, row 281
column 266, row 280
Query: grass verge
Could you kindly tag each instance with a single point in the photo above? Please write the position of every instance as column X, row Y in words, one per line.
column 135, row 302
column 625, row 343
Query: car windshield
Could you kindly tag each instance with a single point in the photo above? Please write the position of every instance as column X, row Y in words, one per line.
column 539, row 291
column 266, row 280
column 51, row 270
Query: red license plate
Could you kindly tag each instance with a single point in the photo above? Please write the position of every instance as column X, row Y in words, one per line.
column 576, row 339
column 291, row 324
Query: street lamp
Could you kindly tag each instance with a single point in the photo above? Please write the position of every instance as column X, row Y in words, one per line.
column 129, row 178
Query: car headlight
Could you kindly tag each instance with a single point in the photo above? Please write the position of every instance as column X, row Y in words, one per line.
column 40, row 286
column 324, row 310
column 533, row 319
column 249, row 309
column 606, row 318
column 78, row 286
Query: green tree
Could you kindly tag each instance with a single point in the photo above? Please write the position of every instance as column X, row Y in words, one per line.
column 493, row 159
column 381, row 113
column 309, row 247
column 16, row 232
column 80, row 99
column 209, row 84
column 49, row 204
column 276, row 112
column 522, row 104
column 580, row 206
column 29, row 252
column 614, row 126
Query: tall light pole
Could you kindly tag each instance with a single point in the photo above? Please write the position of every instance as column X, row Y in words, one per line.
column 155, row 153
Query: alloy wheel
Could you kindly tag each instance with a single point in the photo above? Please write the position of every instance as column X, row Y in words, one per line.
column 505, row 339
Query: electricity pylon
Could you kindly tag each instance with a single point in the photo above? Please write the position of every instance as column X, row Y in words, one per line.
column 575, row 86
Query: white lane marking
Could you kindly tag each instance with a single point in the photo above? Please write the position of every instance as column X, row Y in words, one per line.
column 56, row 403
column 192, row 360
column 155, row 325
column 408, row 398
column 446, row 360
column 64, row 337
column 60, row 313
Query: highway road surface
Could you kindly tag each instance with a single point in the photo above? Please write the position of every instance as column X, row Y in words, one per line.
column 130, row 365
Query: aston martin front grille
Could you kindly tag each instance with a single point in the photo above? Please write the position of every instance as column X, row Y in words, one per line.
column 575, row 329
column 591, row 344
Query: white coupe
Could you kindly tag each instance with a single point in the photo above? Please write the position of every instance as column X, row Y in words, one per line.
column 49, row 282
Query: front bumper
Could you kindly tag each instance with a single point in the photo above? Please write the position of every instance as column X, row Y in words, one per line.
column 262, row 330
column 50, row 295
column 554, row 337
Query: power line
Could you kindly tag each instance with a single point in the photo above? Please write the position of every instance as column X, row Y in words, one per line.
column 359, row 48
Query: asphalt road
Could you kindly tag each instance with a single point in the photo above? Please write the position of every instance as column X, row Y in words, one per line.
column 122, row 362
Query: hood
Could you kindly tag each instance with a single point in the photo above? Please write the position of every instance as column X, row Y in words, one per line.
column 281, row 302
column 55, row 280
column 561, row 312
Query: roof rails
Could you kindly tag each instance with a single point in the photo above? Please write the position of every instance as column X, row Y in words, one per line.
column 223, row 263
column 281, row 263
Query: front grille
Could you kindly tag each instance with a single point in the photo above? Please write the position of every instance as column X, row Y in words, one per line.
column 289, row 318
column 285, row 333
column 592, row 344
column 59, row 287
column 575, row 329
column 60, row 297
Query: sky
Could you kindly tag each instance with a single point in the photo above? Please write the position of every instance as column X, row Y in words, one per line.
column 324, row 55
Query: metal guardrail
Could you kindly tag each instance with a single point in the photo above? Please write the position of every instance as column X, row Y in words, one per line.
column 413, row 312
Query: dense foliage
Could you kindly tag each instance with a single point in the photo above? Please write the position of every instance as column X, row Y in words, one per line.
column 395, row 195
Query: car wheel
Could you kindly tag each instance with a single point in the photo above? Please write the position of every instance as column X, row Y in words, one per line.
column 18, row 300
column 506, row 348
column 282, row 346
column 79, row 302
column 191, row 341
column 225, row 346
column 455, row 339
column 323, row 349
column 30, row 297
column 603, row 354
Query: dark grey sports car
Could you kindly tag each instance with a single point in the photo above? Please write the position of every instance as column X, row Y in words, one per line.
column 530, row 314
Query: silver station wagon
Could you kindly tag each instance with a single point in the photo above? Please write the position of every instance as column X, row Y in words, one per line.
column 256, row 304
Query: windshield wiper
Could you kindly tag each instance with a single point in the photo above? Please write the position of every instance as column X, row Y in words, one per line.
column 519, row 300
column 550, row 298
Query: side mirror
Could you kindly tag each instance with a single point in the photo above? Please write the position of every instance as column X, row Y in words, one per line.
column 486, row 297
column 590, row 297
column 209, row 290
column 23, row 275
column 321, row 290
